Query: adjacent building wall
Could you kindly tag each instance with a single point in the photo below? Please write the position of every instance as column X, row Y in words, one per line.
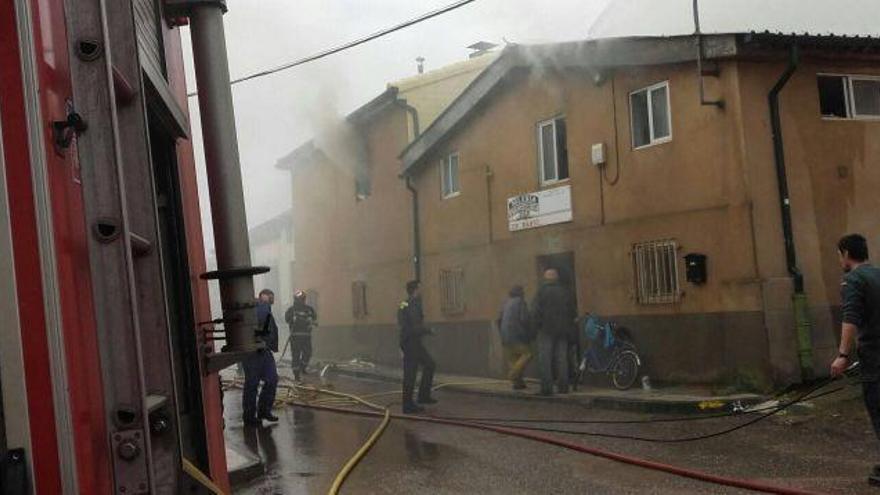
column 832, row 171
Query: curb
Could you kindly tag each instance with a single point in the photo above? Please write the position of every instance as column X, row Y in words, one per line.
column 705, row 405
column 249, row 469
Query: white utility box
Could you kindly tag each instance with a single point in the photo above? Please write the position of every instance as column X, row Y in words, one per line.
column 598, row 154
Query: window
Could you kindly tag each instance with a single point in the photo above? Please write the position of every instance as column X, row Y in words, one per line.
column 553, row 150
column 655, row 265
column 449, row 176
column 849, row 97
column 452, row 291
column 650, row 118
column 359, row 299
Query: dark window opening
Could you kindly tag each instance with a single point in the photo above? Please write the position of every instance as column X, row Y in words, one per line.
column 553, row 150
column 641, row 128
column 832, row 96
column 561, row 149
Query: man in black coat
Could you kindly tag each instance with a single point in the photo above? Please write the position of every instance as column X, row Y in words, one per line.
column 553, row 316
column 411, row 320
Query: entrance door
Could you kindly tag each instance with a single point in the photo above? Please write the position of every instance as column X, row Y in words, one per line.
column 564, row 264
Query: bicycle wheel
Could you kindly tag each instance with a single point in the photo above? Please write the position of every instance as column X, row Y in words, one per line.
column 624, row 370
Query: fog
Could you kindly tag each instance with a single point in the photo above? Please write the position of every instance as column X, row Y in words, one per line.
column 277, row 113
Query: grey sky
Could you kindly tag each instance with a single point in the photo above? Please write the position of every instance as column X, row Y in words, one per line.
column 277, row 113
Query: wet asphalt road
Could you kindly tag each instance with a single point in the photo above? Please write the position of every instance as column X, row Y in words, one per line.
column 828, row 450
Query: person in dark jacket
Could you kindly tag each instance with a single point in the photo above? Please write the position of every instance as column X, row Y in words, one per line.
column 301, row 318
column 514, row 326
column 553, row 316
column 860, row 298
column 411, row 320
column 260, row 367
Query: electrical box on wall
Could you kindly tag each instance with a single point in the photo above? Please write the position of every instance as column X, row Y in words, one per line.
column 695, row 264
column 597, row 153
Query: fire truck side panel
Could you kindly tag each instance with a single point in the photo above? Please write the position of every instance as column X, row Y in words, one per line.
column 14, row 431
column 43, row 448
column 53, row 393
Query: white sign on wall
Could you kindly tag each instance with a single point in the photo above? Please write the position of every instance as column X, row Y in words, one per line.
column 539, row 208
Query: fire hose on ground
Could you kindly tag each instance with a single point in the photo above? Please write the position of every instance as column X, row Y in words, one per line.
column 310, row 397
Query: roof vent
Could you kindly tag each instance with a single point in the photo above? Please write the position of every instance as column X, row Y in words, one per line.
column 481, row 48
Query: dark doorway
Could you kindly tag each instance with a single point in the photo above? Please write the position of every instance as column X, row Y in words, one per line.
column 184, row 347
column 564, row 264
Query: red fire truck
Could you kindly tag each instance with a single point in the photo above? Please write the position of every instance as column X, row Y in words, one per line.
column 107, row 365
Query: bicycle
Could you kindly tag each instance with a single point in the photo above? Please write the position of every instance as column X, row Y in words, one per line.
column 611, row 351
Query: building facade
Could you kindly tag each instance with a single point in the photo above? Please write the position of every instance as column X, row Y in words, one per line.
column 352, row 213
column 606, row 160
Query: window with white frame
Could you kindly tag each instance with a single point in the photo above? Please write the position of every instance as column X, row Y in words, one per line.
column 553, row 150
column 650, row 118
column 450, row 185
column 452, row 291
column 655, row 266
column 849, row 96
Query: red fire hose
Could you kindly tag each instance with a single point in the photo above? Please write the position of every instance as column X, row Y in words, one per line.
column 635, row 461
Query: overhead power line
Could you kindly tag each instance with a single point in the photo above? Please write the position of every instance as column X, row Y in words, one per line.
column 351, row 44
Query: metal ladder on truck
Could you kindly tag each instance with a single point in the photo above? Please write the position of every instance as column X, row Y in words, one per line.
column 126, row 152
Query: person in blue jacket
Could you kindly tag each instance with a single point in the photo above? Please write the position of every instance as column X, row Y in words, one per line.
column 260, row 367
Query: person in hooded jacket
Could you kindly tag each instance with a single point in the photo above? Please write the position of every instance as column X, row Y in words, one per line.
column 514, row 325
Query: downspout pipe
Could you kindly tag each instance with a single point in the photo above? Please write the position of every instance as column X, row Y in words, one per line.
column 799, row 299
column 781, row 175
column 234, row 270
column 417, row 238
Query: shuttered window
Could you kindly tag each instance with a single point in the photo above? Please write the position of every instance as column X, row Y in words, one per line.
column 359, row 299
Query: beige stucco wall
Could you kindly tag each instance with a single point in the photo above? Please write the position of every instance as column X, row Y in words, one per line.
column 341, row 239
column 712, row 188
column 689, row 189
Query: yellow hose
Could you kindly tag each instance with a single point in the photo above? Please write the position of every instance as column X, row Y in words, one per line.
column 356, row 458
column 201, row 477
column 291, row 393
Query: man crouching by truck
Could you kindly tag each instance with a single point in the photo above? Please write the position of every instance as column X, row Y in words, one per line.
column 860, row 299
column 411, row 320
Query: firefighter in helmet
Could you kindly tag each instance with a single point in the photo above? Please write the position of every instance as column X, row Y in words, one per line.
column 301, row 318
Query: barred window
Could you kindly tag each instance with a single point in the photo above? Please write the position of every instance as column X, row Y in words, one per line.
column 359, row 299
column 452, row 291
column 655, row 265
